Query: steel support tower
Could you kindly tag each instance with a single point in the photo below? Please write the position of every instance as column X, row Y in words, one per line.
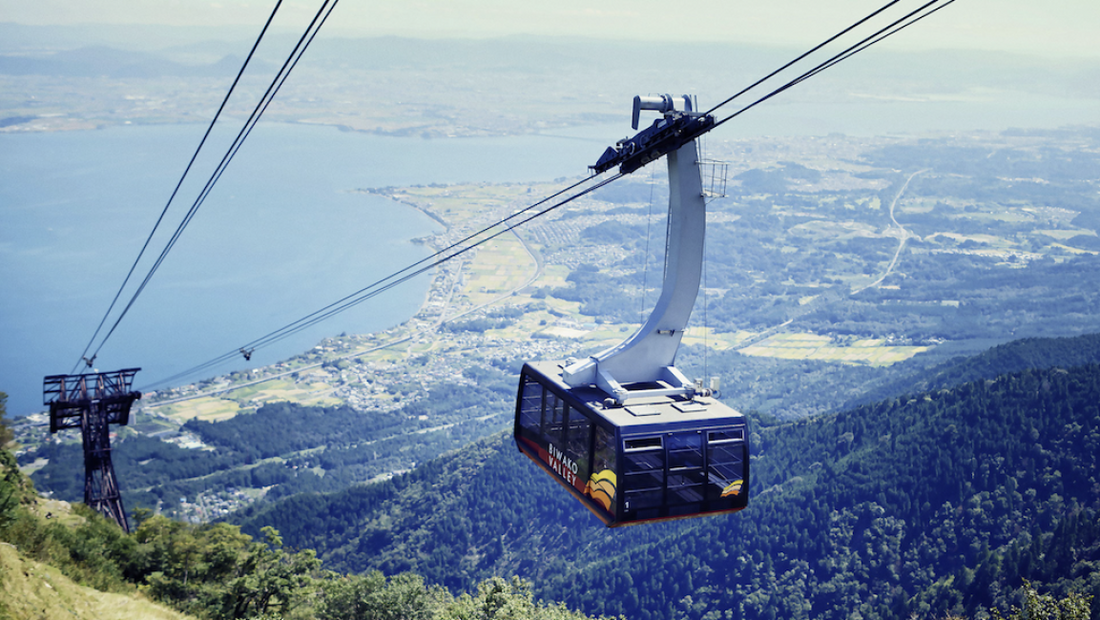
column 92, row 402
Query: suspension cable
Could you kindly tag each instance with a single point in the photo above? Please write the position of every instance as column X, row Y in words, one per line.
column 869, row 41
column 887, row 31
column 172, row 197
column 803, row 55
column 401, row 276
column 273, row 88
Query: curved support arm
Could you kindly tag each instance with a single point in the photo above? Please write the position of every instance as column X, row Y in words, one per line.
column 648, row 355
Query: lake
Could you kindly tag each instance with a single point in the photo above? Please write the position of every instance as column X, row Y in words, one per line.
column 281, row 235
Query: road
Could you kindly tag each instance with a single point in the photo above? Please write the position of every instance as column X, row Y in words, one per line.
column 903, row 236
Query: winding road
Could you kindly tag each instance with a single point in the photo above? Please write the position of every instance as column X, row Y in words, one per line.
column 903, row 236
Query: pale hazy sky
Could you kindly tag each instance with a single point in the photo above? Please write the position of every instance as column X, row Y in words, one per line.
column 1050, row 27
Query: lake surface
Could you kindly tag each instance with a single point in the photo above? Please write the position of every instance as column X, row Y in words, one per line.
column 280, row 236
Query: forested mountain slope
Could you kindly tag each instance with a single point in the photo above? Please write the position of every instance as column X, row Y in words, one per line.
column 63, row 561
column 1023, row 354
column 943, row 501
column 935, row 502
column 284, row 448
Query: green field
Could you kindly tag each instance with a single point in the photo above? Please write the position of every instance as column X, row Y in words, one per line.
column 801, row 346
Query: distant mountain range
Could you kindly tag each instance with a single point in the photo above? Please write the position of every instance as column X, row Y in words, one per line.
column 156, row 51
column 100, row 61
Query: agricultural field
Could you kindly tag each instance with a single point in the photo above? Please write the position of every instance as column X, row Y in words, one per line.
column 870, row 351
column 208, row 408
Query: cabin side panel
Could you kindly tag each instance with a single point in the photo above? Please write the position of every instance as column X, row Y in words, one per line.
column 569, row 444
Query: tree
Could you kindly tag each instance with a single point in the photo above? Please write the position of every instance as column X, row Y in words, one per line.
column 11, row 481
column 6, row 434
column 403, row 597
column 1045, row 607
column 268, row 580
column 500, row 599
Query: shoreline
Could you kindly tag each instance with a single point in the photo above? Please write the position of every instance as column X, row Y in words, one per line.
column 434, row 286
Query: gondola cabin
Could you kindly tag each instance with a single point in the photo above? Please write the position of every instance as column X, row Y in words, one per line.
column 654, row 459
column 627, row 433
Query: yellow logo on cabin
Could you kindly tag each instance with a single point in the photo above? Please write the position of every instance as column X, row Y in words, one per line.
column 733, row 488
column 601, row 487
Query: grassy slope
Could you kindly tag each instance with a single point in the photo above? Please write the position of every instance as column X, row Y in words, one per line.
column 39, row 591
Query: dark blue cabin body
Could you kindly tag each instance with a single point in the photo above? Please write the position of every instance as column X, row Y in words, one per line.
column 656, row 459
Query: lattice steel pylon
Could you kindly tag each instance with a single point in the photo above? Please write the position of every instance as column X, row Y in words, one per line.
column 91, row 402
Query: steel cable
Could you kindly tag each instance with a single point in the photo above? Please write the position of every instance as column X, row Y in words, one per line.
column 883, row 33
column 450, row 252
column 458, row 248
column 250, row 123
column 175, row 191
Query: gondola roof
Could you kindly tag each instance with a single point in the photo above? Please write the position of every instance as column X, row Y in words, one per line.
column 647, row 414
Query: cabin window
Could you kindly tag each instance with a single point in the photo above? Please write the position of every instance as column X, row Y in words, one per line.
column 644, row 473
column 604, row 449
column 646, row 443
column 685, row 469
column 685, row 451
column 531, row 407
column 725, row 470
column 554, row 420
column 729, row 434
column 579, row 442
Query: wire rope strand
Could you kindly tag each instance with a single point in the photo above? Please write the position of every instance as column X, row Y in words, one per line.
column 804, row 55
column 843, row 55
column 246, row 130
column 455, row 250
column 420, row 262
column 179, row 184
column 238, row 142
column 454, row 254
column 451, row 256
column 879, row 37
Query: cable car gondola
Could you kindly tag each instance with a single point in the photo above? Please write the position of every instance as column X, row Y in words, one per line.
column 623, row 430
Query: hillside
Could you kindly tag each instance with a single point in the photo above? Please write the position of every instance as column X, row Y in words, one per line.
column 937, row 501
column 1015, row 356
column 62, row 561
column 40, row 591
